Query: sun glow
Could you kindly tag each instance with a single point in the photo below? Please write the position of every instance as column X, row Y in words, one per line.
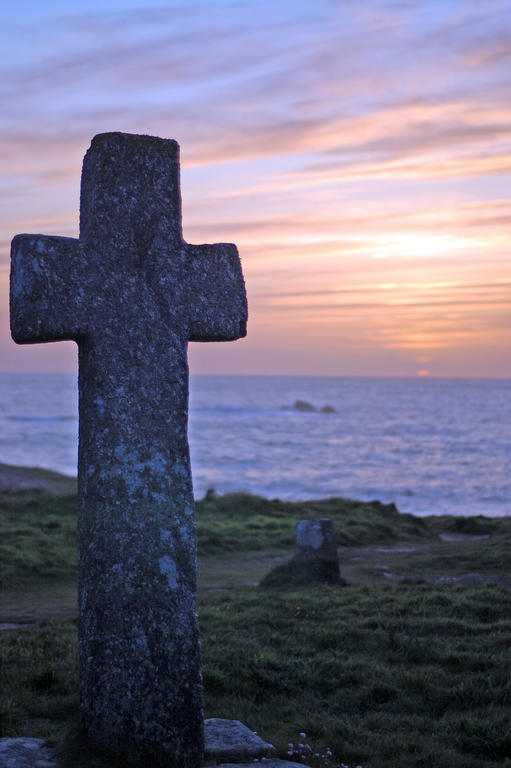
column 374, row 226
column 422, row 245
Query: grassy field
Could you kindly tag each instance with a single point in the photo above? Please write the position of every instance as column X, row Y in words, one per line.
column 399, row 667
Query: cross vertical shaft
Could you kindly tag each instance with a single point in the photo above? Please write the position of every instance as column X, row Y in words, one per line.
column 132, row 294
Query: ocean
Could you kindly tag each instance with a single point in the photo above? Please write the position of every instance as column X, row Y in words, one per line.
column 431, row 446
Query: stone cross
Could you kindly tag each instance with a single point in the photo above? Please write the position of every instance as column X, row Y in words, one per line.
column 132, row 293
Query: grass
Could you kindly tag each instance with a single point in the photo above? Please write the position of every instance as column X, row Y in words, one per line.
column 241, row 522
column 384, row 674
column 37, row 538
column 38, row 529
column 38, row 533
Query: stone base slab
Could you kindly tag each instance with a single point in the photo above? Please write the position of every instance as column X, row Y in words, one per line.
column 269, row 762
column 26, row 753
column 229, row 741
column 229, row 744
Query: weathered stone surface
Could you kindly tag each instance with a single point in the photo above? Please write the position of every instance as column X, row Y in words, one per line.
column 316, row 549
column 34, row 753
column 315, row 540
column 132, row 293
column 26, row 753
column 231, row 740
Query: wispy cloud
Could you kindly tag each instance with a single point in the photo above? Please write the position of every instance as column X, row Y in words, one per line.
column 343, row 146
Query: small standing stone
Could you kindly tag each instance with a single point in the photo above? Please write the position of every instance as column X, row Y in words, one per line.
column 316, row 549
column 230, row 740
column 315, row 559
column 315, row 540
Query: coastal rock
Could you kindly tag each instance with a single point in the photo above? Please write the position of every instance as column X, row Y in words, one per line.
column 304, row 406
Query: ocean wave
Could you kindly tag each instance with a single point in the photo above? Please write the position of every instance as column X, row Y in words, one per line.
column 431, row 447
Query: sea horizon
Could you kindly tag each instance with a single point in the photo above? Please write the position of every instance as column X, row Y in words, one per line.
column 431, row 445
column 429, row 377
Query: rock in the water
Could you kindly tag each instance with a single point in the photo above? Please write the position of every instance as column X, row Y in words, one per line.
column 231, row 740
column 304, row 406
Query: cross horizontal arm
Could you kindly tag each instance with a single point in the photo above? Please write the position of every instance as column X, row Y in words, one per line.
column 131, row 292
column 46, row 294
column 218, row 302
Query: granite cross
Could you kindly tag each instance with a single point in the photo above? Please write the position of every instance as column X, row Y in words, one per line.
column 132, row 293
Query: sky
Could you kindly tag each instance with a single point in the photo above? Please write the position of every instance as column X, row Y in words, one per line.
column 357, row 153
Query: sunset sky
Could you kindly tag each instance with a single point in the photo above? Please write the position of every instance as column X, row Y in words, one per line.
column 357, row 152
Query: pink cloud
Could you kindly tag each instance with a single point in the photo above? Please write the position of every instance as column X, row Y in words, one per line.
column 328, row 140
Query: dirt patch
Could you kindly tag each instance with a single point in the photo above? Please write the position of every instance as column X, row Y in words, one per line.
column 458, row 560
column 448, row 560
column 48, row 602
